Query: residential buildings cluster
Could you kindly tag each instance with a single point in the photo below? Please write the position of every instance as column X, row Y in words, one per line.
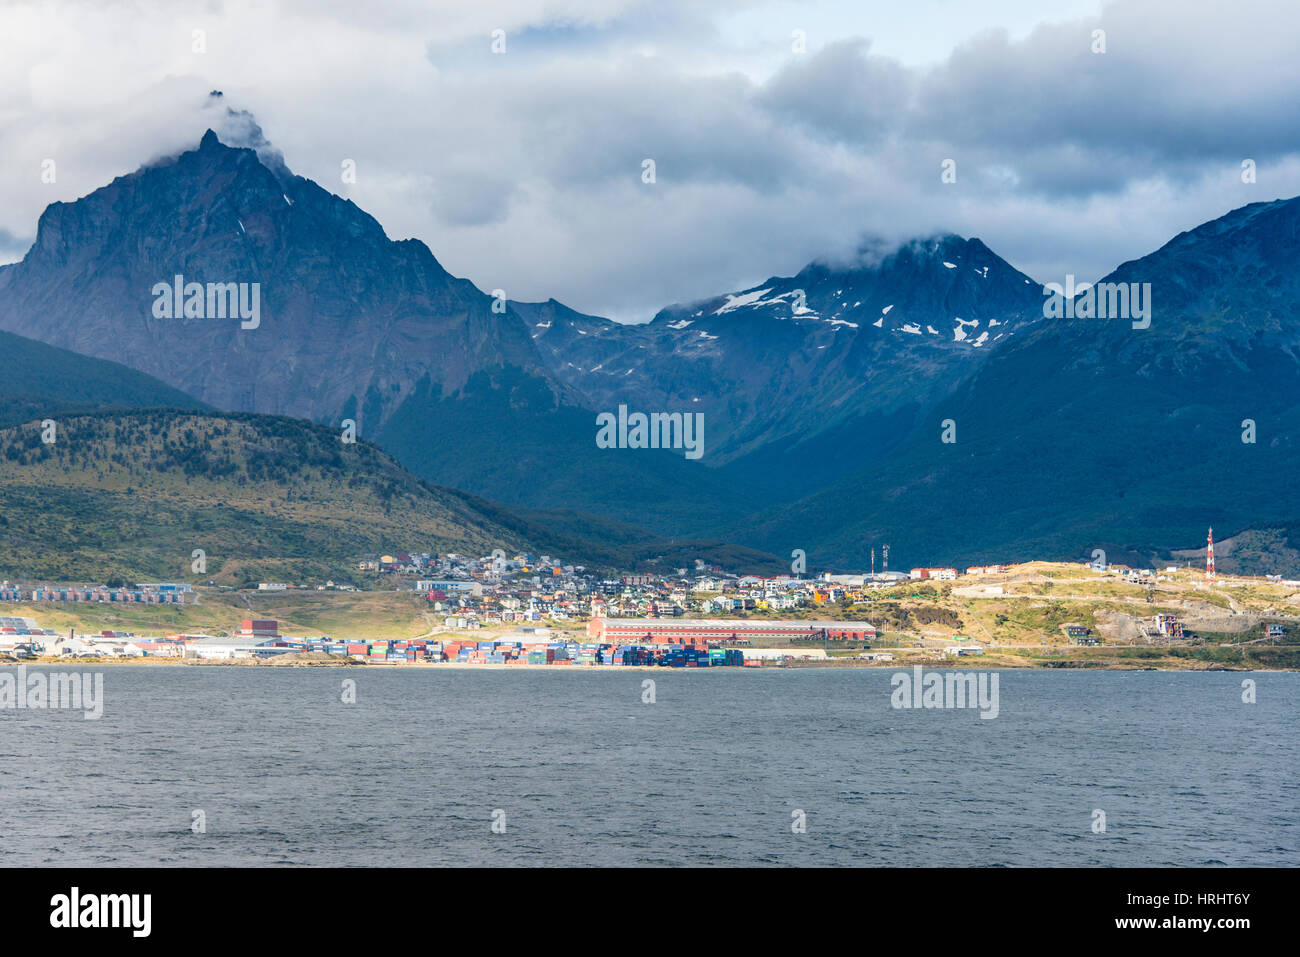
column 163, row 593
column 472, row 593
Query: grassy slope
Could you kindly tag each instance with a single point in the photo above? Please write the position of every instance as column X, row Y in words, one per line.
column 350, row 616
column 266, row 498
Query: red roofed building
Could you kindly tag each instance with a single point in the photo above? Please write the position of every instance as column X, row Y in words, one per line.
column 259, row 628
column 699, row 632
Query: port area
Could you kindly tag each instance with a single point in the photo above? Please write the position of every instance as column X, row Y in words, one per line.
column 1134, row 659
column 1036, row 615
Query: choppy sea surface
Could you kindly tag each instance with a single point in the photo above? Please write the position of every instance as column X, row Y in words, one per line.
column 581, row 771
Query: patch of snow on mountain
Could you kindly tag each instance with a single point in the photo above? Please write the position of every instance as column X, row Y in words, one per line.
column 950, row 265
column 912, row 328
column 745, row 299
column 681, row 323
column 885, row 311
column 980, row 341
column 932, row 330
column 842, row 322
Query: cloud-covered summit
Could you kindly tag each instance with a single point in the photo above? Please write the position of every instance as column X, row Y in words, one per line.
column 239, row 128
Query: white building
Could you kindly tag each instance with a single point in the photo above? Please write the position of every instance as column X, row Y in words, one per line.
column 776, row 654
column 227, row 648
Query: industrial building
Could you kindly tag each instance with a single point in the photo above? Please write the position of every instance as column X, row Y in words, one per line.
column 238, row 646
column 780, row 654
column 258, row 630
column 699, row 632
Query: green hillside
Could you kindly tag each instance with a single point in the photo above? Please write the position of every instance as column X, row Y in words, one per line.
column 132, row 495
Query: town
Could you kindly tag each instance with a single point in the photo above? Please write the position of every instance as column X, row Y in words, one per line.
column 526, row 609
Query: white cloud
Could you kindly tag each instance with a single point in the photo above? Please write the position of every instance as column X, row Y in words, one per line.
column 523, row 171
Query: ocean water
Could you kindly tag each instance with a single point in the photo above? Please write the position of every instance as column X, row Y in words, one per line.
column 582, row 772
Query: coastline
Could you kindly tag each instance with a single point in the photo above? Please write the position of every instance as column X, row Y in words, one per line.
column 972, row 663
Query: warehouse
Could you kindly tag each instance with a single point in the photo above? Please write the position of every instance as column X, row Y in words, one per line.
column 236, row 647
column 702, row 631
column 780, row 654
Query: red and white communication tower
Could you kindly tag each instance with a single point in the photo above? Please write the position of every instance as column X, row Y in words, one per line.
column 1209, row 557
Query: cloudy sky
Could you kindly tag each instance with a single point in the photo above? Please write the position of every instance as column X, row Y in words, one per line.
column 781, row 130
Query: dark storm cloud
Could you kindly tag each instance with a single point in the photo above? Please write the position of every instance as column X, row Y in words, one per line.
column 843, row 93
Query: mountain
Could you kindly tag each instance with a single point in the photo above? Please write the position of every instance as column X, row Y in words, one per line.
column 806, row 378
column 823, row 395
column 1090, row 433
column 350, row 325
column 43, row 382
column 800, row 381
column 349, row 321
